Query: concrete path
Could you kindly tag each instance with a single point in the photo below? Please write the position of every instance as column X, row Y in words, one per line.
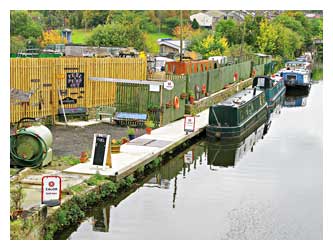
column 144, row 148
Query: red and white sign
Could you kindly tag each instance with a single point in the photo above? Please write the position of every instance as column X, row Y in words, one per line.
column 189, row 123
column 169, row 85
column 51, row 190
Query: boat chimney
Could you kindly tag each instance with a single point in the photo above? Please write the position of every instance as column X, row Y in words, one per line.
column 254, row 91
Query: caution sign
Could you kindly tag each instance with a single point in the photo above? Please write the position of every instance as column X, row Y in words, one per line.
column 51, row 190
column 189, row 123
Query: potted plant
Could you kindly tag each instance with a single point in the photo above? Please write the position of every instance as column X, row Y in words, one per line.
column 131, row 133
column 168, row 104
column 124, row 140
column 191, row 96
column 149, row 126
column 84, row 157
column 183, row 95
column 115, row 146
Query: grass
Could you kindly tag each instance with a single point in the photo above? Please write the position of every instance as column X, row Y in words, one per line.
column 151, row 42
column 80, row 36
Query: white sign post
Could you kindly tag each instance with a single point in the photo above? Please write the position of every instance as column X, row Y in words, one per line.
column 189, row 124
column 51, row 190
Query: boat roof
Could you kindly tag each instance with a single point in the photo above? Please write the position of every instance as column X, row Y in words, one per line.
column 240, row 98
column 296, row 62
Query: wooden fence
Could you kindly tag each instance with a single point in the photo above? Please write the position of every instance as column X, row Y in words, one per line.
column 43, row 77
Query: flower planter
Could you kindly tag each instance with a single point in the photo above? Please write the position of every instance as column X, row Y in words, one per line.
column 148, row 130
column 115, row 149
column 183, row 95
column 168, row 105
column 84, row 157
column 191, row 99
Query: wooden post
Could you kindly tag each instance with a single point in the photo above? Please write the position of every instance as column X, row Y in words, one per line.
column 161, row 106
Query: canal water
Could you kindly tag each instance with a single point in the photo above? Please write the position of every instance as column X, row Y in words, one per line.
column 266, row 187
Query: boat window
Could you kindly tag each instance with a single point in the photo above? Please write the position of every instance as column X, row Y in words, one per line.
column 261, row 82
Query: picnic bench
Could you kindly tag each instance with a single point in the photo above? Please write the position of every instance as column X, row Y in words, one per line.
column 130, row 119
column 105, row 111
column 79, row 112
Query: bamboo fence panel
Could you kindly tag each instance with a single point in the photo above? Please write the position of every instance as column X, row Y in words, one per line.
column 45, row 76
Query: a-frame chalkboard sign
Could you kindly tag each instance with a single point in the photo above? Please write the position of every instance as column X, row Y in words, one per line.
column 101, row 152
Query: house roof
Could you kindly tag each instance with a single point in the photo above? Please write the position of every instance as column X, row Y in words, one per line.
column 174, row 44
column 203, row 19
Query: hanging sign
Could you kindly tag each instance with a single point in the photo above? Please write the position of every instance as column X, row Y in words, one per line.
column 189, row 157
column 168, row 85
column 154, row 88
column 101, row 150
column 189, row 123
column 51, row 190
column 75, row 80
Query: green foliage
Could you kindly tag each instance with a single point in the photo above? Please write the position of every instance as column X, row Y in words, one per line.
column 230, row 30
column 17, row 43
column 95, row 180
column 131, row 131
column 70, row 160
column 195, row 24
column 117, row 34
column 149, row 124
column 21, row 24
column 17, row 196
column 77, row 188
column 93, row 18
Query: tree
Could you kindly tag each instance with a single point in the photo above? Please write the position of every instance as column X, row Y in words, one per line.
column 117, row 34
column 230, row 30
column 211, row 46
column 52, row 37
column 195, row 24
column 21, row 24
column 267, row 39
column 17, row 43
column 186, row 30
column 93, row 18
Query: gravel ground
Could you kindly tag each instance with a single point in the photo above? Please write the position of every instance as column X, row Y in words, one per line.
column 74, row 140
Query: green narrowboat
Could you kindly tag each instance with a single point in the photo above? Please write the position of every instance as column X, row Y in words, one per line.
column 238, row 116
column 274, row 90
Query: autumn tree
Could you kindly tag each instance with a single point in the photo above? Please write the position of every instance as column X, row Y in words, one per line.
column 210, row 46
column 186, row 30
column 52, row 37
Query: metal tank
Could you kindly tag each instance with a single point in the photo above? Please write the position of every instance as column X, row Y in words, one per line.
column 31, row 145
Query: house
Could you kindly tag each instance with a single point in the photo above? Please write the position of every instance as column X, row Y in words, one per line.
column 208, row 19
column 204, row 20
column 171, row 47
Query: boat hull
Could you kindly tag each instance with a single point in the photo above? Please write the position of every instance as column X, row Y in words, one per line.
column 239, row 132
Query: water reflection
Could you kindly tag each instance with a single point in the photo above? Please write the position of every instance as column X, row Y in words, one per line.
column 296, row 98
column 101, row 220
column 223, row 154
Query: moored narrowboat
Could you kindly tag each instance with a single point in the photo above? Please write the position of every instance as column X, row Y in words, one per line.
column 238, row 116
column 274, row 90
column 296, row 74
